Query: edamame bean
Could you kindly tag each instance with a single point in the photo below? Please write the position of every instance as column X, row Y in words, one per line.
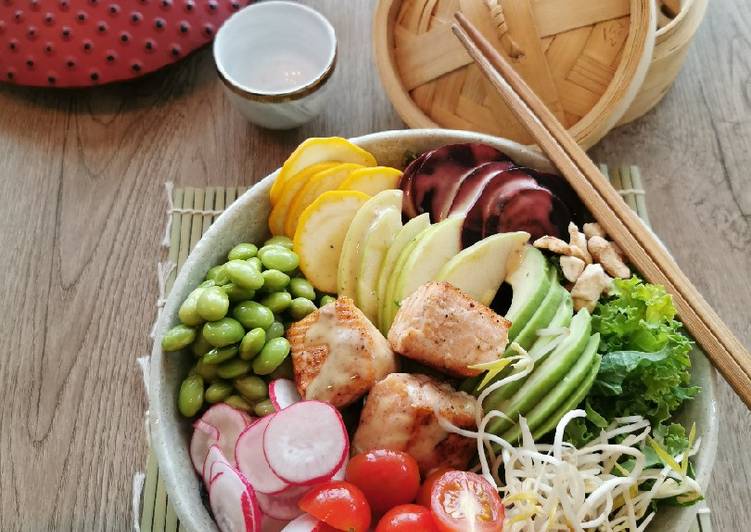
column 242, row 251
column 223, row 332
column 301, row 307
column 252, row 343
column 180, row 336
column 272, row 354
column 235, row 401
column 188, row 313
column 218, row 274
column 212, row 304
column 220, row 354
column 277, row 302
column 326, row 299
column 256, row 263
column 266, row 249
column 218, row 392
column 207, row 283
column 190, row 397
column 252, row 388
column 264, row 408
column 252, row 314
column 279, row 240
column 237, row 293
column 200, row 347
column 234, row 368
column 207, row 371
column 284, row 371
column 243, row 274
column 275, row 330
column 300, row 287
column 280, row 258
column 274, row 280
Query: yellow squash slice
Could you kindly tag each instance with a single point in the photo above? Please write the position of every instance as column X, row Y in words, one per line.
column 318, row 184
column 290, row 190
column 317, row 150
column 372, row 180
column 320, row 234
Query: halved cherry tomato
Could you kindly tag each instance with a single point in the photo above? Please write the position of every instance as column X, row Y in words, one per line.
column 423, row 496
column 407, row 518
column 461, row 500
column 388, row 478
column 339, row 504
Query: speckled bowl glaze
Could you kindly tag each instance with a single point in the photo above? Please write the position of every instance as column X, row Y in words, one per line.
column 245, row 220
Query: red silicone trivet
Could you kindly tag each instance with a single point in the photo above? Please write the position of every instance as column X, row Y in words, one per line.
column 74, row 43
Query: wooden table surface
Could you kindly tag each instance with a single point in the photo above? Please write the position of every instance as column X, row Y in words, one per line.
column 82, row 213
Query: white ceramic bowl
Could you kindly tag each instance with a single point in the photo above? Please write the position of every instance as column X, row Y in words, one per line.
column 245, row 221
column 275, row 60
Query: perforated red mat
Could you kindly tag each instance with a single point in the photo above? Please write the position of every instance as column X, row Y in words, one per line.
column 74, row 43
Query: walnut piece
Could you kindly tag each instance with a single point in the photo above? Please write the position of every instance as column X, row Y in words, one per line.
column 572, row 267
column 558, row 246
column 579, row 241
column 593, row 229
column 606, row 254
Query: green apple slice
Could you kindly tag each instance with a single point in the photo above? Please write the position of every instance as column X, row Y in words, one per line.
column 530, row 283
column 349, row 260
column 480, row 269
column 377, row 241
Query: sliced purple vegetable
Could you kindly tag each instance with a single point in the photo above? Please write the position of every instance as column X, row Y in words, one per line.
column 405, row 184
column 535, row 210
column 472, row 186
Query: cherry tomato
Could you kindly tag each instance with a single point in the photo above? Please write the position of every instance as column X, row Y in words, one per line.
column 339, row 504
column 423, row 496
column 407, row 518
column 388, row 478
column 466, row 501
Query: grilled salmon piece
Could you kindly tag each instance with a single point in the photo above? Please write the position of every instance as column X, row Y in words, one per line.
column 337, row 354
column 399, row 414
column 441, row 327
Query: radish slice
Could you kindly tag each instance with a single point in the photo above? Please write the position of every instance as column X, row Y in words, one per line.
column 251, row 461
column 304, row 523
column 283, row 505
column 339, row 475
column 230, row 422
column 283, row 393
column 233, row 501
column 306, row 442
column 272, row 525
column 213, row 456
column 204, row 436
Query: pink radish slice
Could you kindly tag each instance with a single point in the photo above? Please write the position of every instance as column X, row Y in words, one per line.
column 213, row 456
column 306, row 442
column 230, row 422
column 339, row 475
column 204, row 436
column 233, row 501
column 304, row 523
column 283, row 393
column 251, row 461
column 283, row 505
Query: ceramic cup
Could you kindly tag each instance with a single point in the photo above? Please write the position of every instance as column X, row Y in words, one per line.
column 275, row 60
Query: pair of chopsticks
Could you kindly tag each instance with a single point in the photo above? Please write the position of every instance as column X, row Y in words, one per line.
column 642, row 248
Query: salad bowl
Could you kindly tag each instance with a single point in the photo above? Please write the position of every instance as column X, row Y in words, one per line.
column 246, row 220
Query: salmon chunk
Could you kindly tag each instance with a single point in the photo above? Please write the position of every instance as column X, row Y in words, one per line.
column 400, row 414
column 441, row 327
column 337, row 354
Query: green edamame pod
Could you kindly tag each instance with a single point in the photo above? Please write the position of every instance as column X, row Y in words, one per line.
column 252, row 343
column 207, row 283
column 252, row 314
column 235, row 401
column 252, row 388
column 207, row 371
column 271, row 356
column 220, row 354
column 279, row 258
column 326, row 299
column 284, row 371
column 233, row 368
column 190, row 397
column 200, row 347
column 243, row 274
column 279, row 240
column 256, row 263
column 300, row 287
column 242, row 251
column 301, row 307
column 180, row 336
column 277, row 302
column 275, row 330
column 237, row 293
column 218, row 392
column 188, row 313
column 218, row 275
column 267, row 248
column 264, row 408
column 212, row 304
column 223, row 332
column 274, row 280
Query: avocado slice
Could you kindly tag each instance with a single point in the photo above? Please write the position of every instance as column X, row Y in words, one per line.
column 561, row 318
column 565, row 387
column 530, row 283
column 543, row 377
column 544, row 313
column 571, row 402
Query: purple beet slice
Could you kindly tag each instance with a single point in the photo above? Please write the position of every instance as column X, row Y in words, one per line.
column 405, row 184
column 535, row 210
column 473, row 185
column 562, row 190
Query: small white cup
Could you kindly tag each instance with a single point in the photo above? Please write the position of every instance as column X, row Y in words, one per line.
column 275, row 60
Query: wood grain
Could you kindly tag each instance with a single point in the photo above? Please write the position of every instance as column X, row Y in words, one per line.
column 82, row 215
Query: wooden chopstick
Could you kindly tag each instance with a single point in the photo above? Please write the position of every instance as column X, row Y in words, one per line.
column 643, row 249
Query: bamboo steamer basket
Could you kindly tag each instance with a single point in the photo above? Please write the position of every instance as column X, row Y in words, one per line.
column 587, row 60
column 672, row 43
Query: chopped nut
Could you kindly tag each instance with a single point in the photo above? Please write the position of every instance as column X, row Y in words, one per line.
column 572, row 267
column 593, row 229
column 604, row 253
column 591, row 283
column 579, row 241
column 583, row 303
column 558, row 246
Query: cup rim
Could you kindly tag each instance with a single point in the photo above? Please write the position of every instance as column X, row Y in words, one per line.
column 276, row 96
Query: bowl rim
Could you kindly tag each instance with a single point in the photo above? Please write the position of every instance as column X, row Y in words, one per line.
column 161, row 434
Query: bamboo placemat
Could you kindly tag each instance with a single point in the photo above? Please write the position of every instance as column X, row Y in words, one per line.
column 192, row 211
